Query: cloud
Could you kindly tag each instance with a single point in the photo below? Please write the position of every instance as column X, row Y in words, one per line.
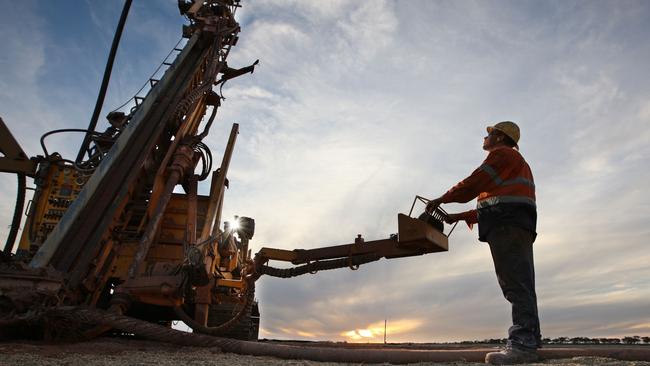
column 328, row 126
column 21, row 62
column 356, row 107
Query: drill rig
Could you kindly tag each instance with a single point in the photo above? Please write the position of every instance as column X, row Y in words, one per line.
column 107, row 230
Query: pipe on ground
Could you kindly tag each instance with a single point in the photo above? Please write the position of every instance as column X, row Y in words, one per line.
column 324, row 354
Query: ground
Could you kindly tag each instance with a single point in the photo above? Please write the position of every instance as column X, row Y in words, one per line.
column 119, row 351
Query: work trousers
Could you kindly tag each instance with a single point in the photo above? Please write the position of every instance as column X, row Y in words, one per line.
column 512, row 253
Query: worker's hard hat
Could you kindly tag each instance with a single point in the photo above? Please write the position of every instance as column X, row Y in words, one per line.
column 508, row 128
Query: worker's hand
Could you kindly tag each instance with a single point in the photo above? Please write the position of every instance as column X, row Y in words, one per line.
column 432, row 205
column 451, row 218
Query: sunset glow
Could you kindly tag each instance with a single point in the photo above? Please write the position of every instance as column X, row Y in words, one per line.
column 375, row 331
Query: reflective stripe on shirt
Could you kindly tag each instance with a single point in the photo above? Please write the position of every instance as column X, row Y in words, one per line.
column 491, row 201
column 500, row 182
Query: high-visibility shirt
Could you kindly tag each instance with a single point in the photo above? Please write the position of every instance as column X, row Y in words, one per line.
column 505, row 189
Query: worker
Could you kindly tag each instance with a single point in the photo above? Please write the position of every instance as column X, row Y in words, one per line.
column 507, row 216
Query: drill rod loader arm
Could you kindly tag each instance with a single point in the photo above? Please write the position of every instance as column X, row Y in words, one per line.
column 415, row 237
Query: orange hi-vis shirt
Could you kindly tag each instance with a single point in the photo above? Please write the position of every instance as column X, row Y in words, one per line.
column 503, row 178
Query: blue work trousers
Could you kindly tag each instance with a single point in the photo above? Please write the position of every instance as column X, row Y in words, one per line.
column 512, row 253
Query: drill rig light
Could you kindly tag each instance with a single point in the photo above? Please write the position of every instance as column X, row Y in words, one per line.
column 243, row 226
column 232, row 225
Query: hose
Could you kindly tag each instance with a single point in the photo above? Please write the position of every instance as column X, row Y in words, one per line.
column 330, row 354
column 18, row 210
column 220, row 329
column 76, row 315
column 105, row 80
column 313, row 267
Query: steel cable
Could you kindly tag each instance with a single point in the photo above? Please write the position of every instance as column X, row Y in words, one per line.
column 151, row 77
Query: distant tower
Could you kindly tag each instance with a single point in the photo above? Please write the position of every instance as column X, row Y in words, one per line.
column 384, row 330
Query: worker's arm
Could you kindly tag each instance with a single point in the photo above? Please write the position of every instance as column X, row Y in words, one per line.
column 470, row 217
column 481, row 180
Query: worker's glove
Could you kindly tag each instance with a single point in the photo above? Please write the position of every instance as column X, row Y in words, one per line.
column 451, row 218
column 432, row 205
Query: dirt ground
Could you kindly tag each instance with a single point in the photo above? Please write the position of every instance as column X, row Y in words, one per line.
column 119, row 351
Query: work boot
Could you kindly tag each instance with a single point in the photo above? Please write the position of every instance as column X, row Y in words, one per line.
column 511, row 356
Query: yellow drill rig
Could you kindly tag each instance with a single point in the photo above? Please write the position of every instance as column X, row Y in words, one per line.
column 106, row 230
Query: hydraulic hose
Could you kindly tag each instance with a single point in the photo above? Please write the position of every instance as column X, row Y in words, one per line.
column 105, row 80
column 222, row 328
column 18, row 211
column 331, row 354
column 71, row 316
column 313, row 267
column 76, row 315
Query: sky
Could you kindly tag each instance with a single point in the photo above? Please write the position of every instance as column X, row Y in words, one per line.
column 358, row 106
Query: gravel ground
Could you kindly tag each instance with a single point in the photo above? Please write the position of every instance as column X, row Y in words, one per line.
column 115, row 351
